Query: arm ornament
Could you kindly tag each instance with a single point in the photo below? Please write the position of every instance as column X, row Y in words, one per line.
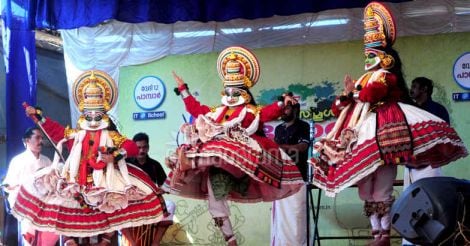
column 69, row 132
column 117, row 138
column 180, row 89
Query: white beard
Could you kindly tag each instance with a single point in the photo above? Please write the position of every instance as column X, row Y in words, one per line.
column 97, row 125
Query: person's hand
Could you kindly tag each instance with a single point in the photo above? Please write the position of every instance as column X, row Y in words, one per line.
column 178, row 79
column 289, row 99
column 106, row 157
column 348, row 84
column 30, row 110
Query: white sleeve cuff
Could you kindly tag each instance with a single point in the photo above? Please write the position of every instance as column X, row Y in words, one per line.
column 185, row 93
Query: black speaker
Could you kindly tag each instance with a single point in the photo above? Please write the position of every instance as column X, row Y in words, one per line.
column 430, row 211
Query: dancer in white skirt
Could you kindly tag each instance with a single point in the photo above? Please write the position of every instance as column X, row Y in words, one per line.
column 376, row 130
column 94, row 191
column 226, row 156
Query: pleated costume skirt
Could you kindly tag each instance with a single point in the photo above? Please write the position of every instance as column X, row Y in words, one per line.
column 380, row 141
column 47, row 209
column 269, row 172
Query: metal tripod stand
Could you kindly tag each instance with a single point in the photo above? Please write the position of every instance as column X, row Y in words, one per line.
column 309, row 193
column 312, row 210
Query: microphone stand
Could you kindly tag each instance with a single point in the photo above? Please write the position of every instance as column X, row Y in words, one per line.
column 309, row 187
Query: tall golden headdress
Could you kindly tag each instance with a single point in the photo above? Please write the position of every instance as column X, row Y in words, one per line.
column 238, row 66
column 380, row 32
column 94, row 90
column 379, row 26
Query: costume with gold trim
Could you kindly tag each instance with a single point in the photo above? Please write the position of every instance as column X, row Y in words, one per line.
column 86, row 196
column 231, row 135
column 376, row 130
column 374, row 126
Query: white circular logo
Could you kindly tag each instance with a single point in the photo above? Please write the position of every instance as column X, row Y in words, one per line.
column 149, row 92
column 462, row 70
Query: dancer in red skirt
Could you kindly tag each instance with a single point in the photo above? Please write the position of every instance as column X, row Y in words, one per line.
column 377, row 130
column 95, row 191
column 226, row 156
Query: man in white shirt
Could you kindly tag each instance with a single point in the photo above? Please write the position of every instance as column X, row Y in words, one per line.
column 21, row 168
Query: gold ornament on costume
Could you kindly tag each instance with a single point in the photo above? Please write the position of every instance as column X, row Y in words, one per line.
column 234, row 75
column 94, row 90
column 379, row 26
column 386, row 61
column 246, row 97
column 68, row 132
column 237, row 66
column 117, row 138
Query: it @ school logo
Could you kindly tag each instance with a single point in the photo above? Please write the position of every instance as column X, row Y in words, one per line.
column 149, row 92
column 462, row 71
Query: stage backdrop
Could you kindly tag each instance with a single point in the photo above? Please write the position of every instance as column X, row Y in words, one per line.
column 315, row 74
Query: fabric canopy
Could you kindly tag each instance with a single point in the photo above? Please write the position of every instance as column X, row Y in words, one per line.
column 67, row 14
column 105, row 35
column 22, row 17
column 114, row 44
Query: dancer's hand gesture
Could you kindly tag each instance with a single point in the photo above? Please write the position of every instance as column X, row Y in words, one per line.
column 348, row 84
column 178, row 79
column 289, row 99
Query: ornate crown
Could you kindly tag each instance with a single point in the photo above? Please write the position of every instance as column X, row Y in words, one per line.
column 94, row 91
column 237, row 66
column 379, row 26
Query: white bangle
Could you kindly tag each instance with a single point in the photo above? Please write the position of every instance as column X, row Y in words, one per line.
column 185, row 93
column 356, row 95
column 337, row 102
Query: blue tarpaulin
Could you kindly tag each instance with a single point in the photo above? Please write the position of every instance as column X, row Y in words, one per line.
column 20, row 64
column 67, row 14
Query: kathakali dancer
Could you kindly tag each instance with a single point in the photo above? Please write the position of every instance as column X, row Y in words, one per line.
column 226, row 155
column 377, row 130
column 95, row 191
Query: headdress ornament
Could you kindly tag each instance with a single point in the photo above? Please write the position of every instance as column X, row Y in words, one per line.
column 94, row 90
column 237, row 66
column 379, row 26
